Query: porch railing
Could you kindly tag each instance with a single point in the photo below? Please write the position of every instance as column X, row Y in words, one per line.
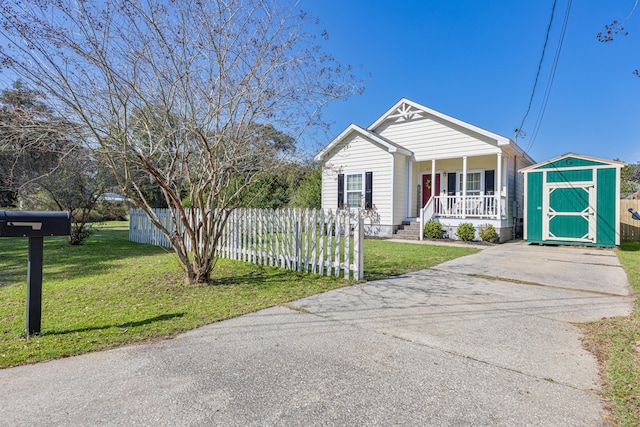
column 478, row 207
column 468, row 206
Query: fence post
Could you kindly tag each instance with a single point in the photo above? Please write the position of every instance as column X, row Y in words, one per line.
column 338, row 226
column 270, row 224
column 330, row 242
column 358, row 249
column 321, row 235
column 306, row 230
column 347, row 244
column 299, row 231
column 314, row 243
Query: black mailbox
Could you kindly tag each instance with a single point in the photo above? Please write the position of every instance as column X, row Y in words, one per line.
column 34, row 224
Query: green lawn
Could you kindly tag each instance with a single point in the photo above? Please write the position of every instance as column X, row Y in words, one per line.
column 616, row 344
column 111, row 292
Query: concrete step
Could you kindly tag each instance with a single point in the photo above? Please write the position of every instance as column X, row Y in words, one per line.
column 409, row 224
column 406, row 237
column 413, row 226
column 408, row 230
column 412, row 229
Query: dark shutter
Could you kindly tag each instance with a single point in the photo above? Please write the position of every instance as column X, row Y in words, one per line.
column 489, row 183
column 451, row 184
column 368, row 190
column 340, row 191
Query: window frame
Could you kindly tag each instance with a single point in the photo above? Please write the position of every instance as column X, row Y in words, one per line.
column 361, row 192
column 480, row 172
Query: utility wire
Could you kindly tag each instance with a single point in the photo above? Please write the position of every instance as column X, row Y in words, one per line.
column 544, row 48
column 552, row 75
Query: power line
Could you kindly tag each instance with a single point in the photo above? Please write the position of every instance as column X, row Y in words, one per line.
column 552, row 75
column 535, row 83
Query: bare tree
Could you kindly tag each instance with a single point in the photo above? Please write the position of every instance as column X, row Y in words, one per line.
column 177, row 89
column 617, row 28
column 75, row 186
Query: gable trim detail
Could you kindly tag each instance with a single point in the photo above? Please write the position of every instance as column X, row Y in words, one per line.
column 406, row 107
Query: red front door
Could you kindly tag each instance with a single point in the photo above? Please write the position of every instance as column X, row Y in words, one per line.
column 427, row 188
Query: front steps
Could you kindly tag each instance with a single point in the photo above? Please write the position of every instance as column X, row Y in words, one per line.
column 409, row 230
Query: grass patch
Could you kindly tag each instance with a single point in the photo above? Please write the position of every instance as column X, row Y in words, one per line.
column 616, row 344
column 385, row 259
column 110, row 291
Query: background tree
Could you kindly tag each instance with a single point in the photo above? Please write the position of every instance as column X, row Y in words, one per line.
column 42, row 166
column 308, row 192
column 32, row 140
column 295, row 185
column 179, row 90
column 74, row 186
column 630, row 179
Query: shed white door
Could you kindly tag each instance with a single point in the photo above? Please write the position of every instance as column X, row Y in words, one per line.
column 569, row 212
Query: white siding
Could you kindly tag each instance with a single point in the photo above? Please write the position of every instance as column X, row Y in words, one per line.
column 329, row 189
column 357, row 154
column 428, row 138
column 520, row 186
column 515, row 185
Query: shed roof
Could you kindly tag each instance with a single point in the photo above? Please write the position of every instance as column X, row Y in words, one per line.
column 572, row 160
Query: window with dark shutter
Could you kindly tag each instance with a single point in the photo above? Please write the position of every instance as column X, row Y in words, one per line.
column 340, row 191
column 368, row 190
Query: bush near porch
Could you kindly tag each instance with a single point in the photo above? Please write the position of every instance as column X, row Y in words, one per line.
column 95, row 299
column 488, row 233
column 433, row 230
column 466, row 232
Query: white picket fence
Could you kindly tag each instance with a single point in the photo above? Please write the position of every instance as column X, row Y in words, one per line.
column 305, row 240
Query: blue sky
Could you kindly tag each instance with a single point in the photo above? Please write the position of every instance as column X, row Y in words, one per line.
column 477, row 61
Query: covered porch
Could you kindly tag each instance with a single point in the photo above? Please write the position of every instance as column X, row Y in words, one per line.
column 466, row 188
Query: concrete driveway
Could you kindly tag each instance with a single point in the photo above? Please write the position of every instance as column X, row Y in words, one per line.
column 449, row 346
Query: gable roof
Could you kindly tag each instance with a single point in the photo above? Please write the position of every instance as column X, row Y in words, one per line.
column 407, row 108
column 391, row 147
column 584, row 160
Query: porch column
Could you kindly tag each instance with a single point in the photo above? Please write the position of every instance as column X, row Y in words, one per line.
column 464, row 187
column 499, row 186
column 433, row 177
column 409, row 188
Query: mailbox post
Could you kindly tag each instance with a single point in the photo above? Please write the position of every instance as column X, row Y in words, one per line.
column 35, row 225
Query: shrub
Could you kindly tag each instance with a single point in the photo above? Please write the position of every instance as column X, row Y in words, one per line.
column 109, row 211
column 433, row 230
column 488, row 233
column 466, row 231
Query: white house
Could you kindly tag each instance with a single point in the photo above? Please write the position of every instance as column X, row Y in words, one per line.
column 414, row 164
